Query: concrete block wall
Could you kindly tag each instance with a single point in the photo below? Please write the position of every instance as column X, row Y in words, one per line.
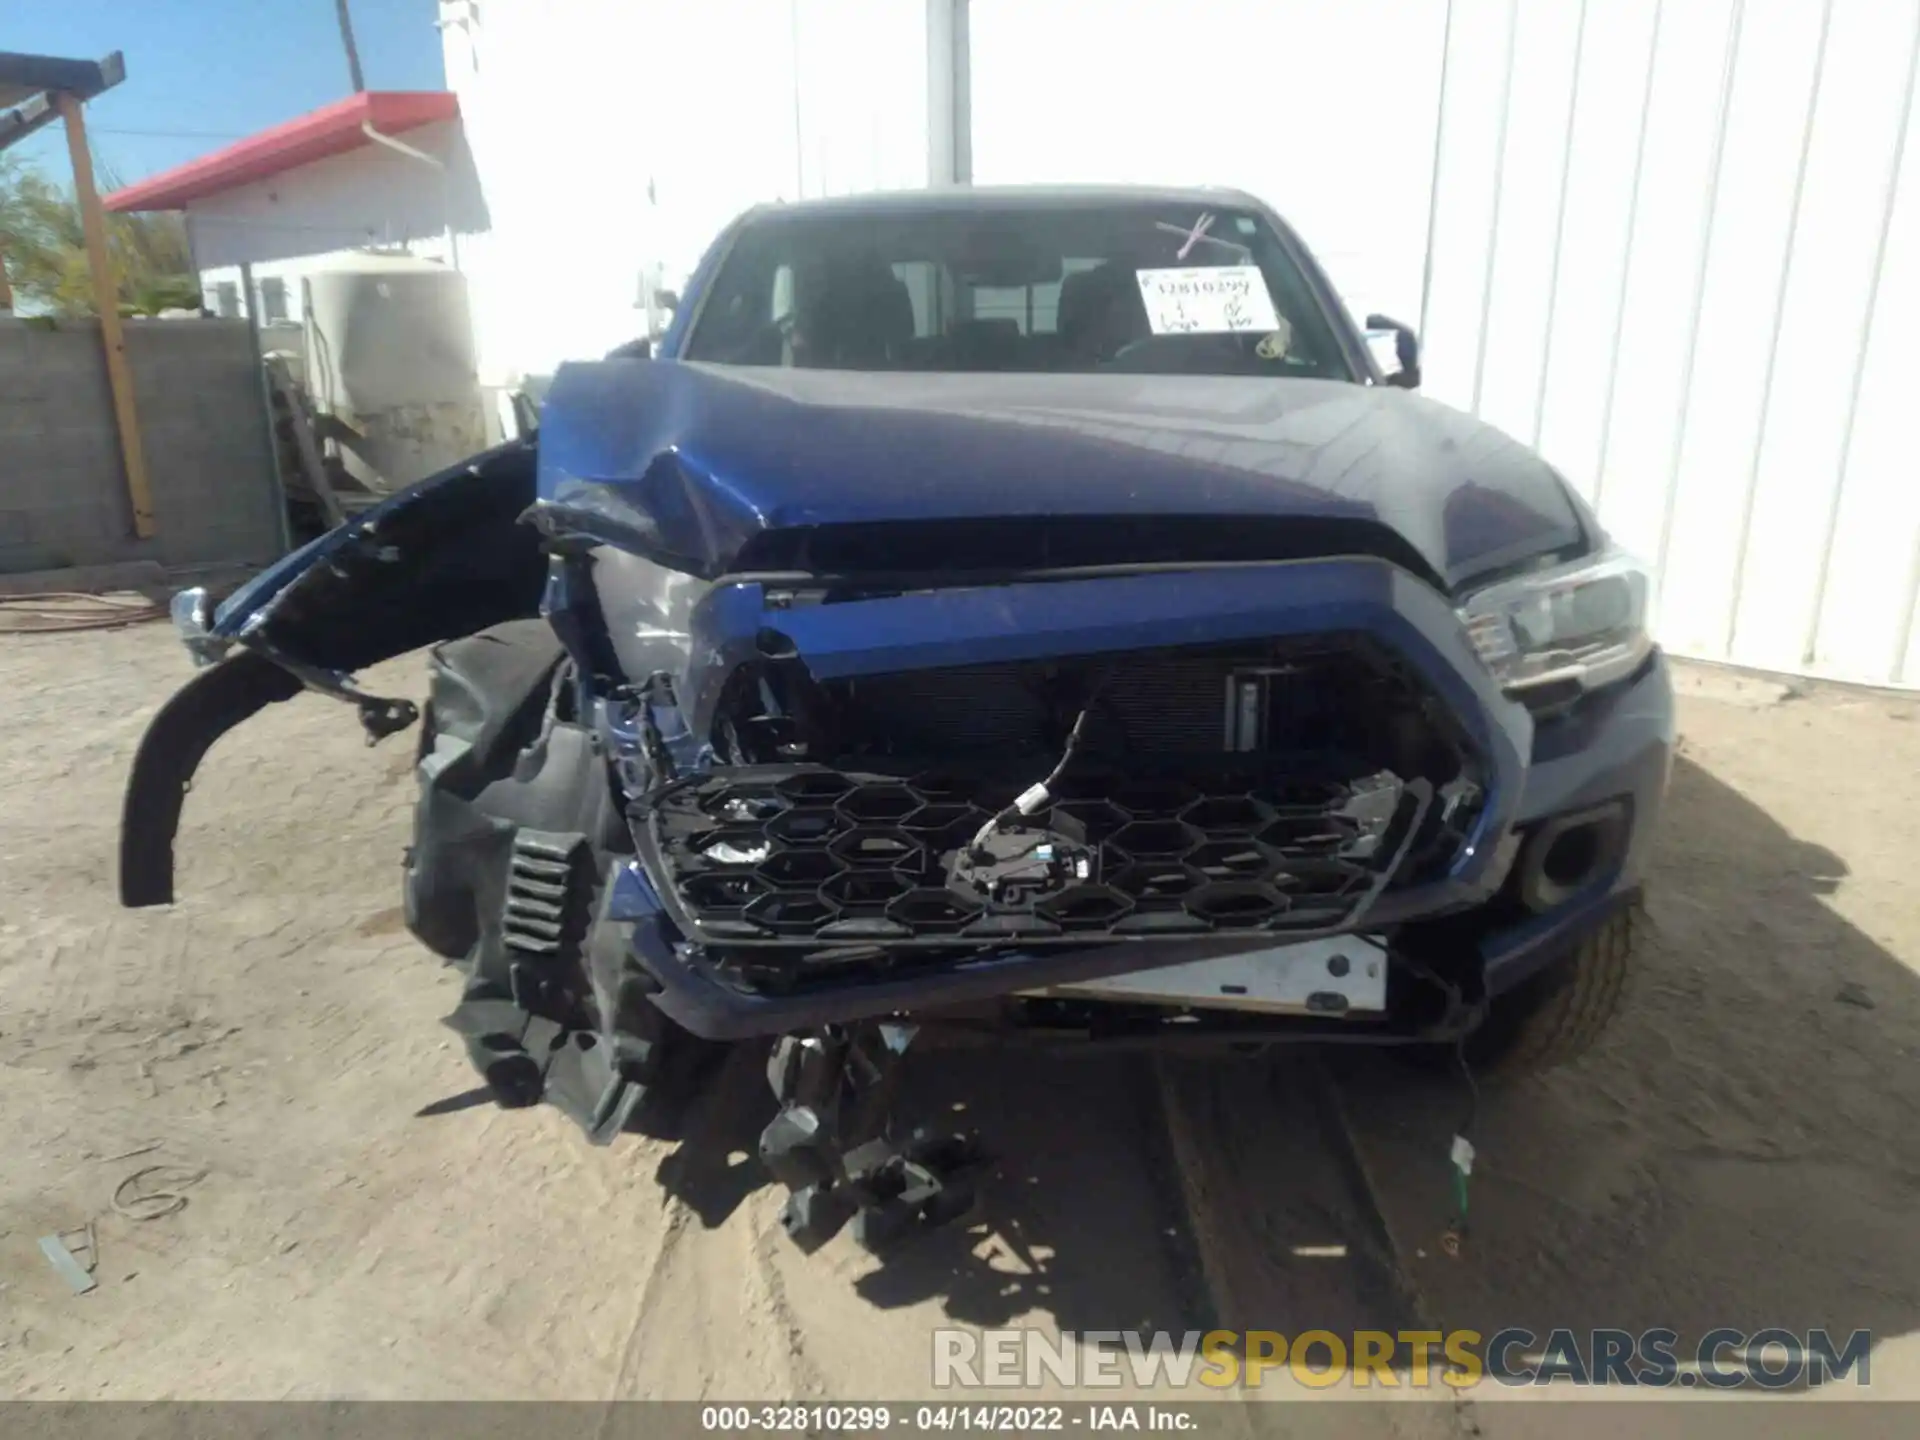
column 63, row 497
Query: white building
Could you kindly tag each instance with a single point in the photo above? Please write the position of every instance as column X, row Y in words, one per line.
column 1674, row 243
column 384, row 169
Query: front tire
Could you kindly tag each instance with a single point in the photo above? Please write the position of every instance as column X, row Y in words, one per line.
column 1555, row 1017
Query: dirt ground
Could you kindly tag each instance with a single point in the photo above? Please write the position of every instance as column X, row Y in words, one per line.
column 1743, row 1151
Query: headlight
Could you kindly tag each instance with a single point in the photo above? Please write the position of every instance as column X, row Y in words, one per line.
column 1585, row 622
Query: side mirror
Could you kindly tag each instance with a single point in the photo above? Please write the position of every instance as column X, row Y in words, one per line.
column 1406, row 350
column 658, row 304
column 660, row 316
column 526, row 413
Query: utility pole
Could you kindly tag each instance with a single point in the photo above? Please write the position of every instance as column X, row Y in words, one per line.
column 353, row 51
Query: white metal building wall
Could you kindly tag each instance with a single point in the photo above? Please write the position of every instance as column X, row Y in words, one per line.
column 614, row 139
column 1322, row 108
column 1677, row 246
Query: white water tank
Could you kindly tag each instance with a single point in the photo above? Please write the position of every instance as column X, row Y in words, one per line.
column 390, row 355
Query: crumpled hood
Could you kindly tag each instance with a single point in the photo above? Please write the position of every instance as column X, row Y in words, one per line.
column 689, row 463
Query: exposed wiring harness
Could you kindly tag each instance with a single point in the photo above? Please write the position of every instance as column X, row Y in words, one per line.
column 1031, row 799
column 1460, row 1157
column 1460, row 1152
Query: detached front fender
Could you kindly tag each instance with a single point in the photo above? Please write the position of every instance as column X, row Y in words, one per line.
column 204, row 709
column 441, row 559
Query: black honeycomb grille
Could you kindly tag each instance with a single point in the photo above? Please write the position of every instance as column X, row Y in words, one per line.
column 804, row 856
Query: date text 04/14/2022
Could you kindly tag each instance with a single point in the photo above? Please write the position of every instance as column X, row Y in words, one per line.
column 876, row 1419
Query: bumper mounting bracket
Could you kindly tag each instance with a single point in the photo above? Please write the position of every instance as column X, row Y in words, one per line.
column 834, row 1147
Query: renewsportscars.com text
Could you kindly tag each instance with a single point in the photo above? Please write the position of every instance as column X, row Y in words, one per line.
column 1724, row 1359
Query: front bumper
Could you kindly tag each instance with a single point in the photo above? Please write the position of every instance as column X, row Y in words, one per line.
column 1615, row 749
column 1612, row 750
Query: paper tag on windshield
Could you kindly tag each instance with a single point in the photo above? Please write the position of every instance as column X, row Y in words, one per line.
column 1207, row 300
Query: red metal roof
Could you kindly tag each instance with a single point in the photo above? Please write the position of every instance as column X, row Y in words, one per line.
column 330, row 130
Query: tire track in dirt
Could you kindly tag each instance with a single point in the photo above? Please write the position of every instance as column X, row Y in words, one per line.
column 718, row 1245
column 654, row 1284
column 806, row 1380
column 663, row 1276
column 1288, row 1232
column 1288, row 1237
column 1177, row 1196
column 1076, row 1229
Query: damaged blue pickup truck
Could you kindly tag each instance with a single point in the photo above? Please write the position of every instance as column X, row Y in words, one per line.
column 1007, row 616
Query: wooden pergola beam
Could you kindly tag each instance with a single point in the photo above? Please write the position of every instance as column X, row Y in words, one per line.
column 29, row 83
column 106, row 299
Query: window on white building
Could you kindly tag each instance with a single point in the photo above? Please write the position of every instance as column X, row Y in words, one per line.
column 273, row 301
column 226, row 300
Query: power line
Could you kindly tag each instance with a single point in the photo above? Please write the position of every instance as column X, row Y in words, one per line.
column 170, row 134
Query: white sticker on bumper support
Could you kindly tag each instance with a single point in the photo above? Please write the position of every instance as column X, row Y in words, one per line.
column 1207, row 300
column 1342, row 975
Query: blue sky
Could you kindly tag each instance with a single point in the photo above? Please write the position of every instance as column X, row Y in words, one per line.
column 203, row 73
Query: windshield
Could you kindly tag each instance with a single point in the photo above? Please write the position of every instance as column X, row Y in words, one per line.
column 1112, row 287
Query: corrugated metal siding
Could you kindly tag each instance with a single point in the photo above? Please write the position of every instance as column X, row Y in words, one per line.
column 1323, row 108
column 1677, row 245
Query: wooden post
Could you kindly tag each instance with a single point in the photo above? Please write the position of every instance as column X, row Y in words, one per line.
column 106, row 299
